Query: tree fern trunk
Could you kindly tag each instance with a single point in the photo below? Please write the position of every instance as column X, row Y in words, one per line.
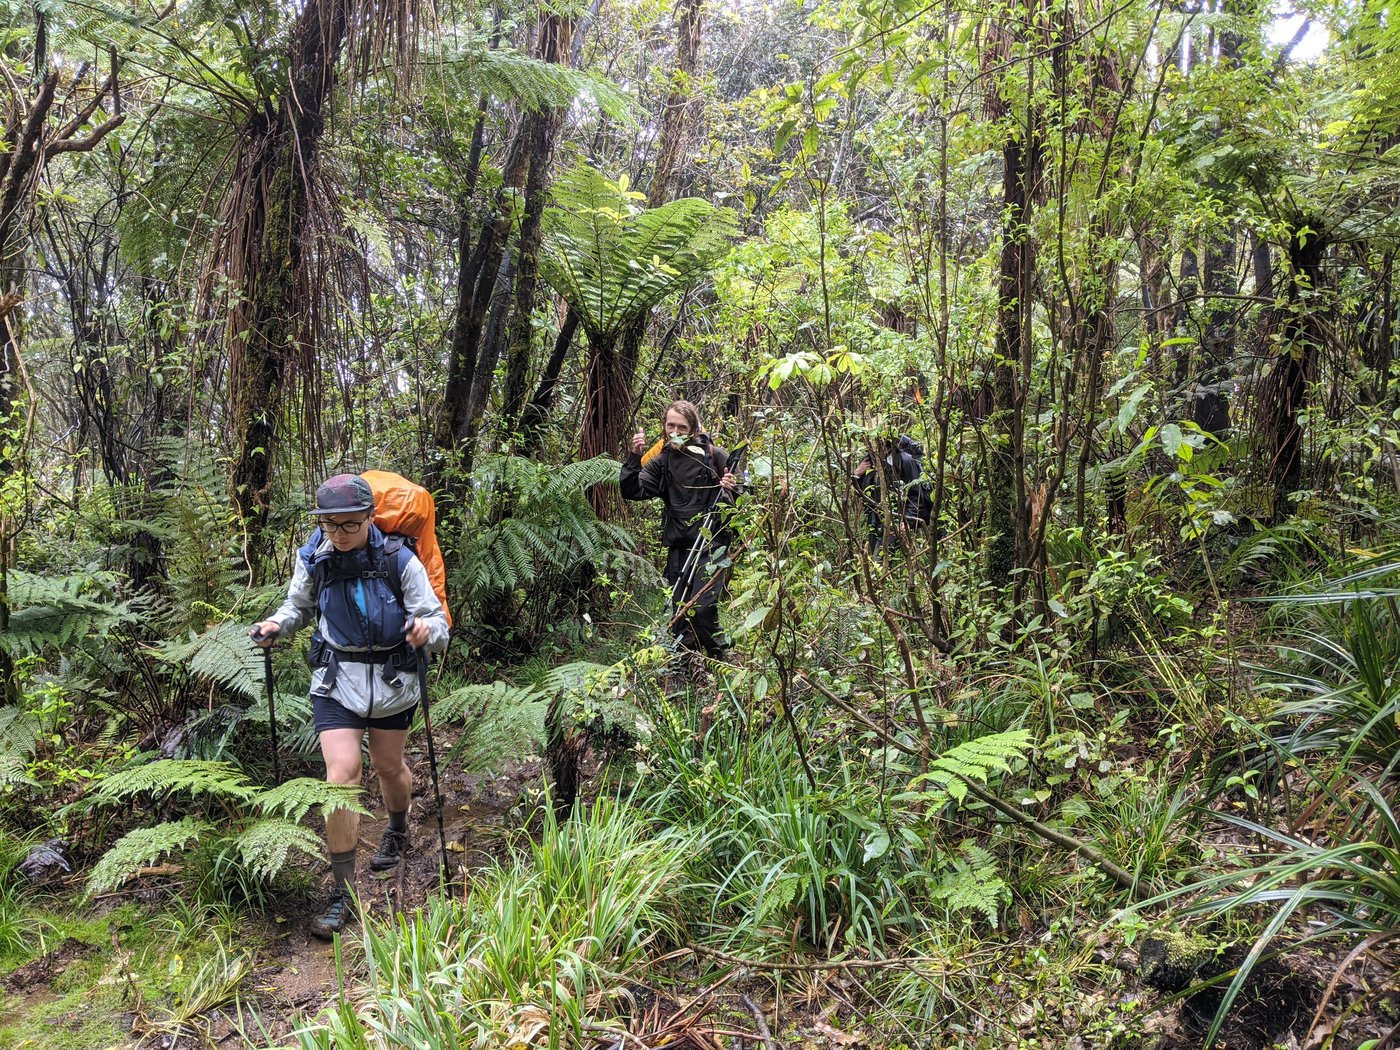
column 269, row 330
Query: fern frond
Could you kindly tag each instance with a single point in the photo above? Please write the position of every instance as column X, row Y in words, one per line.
column 59, row 611
column 973, row 760
column 19, row 736
column 499, row 720
column 611, row 261
column 295, row 798
column 266, row 844
column 222, row 654
column 141, row 848
column 974, row 884
column 532, row 84
column 168, row 775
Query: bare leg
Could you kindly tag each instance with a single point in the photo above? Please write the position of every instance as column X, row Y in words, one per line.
column 386, row 758
column 341, row 750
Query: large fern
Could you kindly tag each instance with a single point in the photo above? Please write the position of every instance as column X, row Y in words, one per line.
column 612, row 260
column 18, row 739
column 551, row 534
column 58, row 612
column 498, row 720
column 261, row 825
column 167, row 776
column 141, row 848
column 222, row 654
column 471, row 69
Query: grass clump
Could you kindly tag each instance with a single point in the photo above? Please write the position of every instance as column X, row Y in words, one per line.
column 531, row 951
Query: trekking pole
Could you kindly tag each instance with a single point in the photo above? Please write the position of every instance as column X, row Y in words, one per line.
column 432, row 755
column 258, row 636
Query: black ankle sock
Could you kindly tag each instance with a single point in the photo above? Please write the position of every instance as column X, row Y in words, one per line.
column 343, row 869
column 398, row 820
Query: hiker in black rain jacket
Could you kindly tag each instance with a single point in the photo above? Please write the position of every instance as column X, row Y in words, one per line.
column 899, row 481
column 689, row 474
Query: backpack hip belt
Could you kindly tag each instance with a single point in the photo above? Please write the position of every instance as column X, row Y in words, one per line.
column 323, row 654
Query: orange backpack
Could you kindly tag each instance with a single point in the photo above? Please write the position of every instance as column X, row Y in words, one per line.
column 407, row 509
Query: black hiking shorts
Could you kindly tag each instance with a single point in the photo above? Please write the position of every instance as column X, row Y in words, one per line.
column 329, row 714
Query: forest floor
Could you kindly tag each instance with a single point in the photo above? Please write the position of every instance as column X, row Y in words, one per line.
column 109, row 980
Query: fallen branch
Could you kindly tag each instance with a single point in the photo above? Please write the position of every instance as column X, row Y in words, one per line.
column 759, row 1021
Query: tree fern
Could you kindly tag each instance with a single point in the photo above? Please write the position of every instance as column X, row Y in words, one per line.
column 528, row 82
column 222, row 654
column 611, row 260
column 552, row 531
column 58, row 612
column 140, row 848
column 295, row 798
column 498, row 720
column 973, row 760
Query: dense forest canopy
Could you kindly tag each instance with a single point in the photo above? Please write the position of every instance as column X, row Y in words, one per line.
column 1112, row 666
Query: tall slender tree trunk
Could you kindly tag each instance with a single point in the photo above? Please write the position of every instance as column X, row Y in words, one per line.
column 1302, row 335
column 528, row 164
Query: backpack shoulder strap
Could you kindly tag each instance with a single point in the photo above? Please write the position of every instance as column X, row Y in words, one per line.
column 398, row 550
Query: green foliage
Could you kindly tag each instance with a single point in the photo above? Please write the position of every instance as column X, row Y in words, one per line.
column 542, row 556
column 57, row 613
column 142, row 847
column 974, row 760
column 18, row 741
column 498, row 720
column 612, row 260
column 261, row 827
column 222, row 654
column 529, row 950
column 973, row 884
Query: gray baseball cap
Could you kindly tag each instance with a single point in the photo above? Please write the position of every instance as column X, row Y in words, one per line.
column 343, row 494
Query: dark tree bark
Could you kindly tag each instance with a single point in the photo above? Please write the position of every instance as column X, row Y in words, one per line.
column 530, row 155
column 1286, row 389
column 269, row 328
column 35, row 128
column 612, row 363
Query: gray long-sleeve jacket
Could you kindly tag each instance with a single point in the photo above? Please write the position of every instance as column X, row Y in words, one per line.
column 362, row 687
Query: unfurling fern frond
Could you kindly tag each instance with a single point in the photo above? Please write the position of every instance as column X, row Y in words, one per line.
column 973, row 884
column 222, row 654
column 973, row 760
column 59, row 611
column 139, row 849
column 498, row 720
column 294, row 799
column 168, row 775
column 266, row 844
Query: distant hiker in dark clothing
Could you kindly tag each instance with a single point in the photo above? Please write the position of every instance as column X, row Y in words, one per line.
column 689, row 474
column 364, row 676
column 894, row 496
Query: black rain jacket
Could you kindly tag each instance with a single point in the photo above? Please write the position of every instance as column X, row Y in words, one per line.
column 685, row 481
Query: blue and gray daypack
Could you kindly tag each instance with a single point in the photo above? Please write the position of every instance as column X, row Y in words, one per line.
column 359, row 596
